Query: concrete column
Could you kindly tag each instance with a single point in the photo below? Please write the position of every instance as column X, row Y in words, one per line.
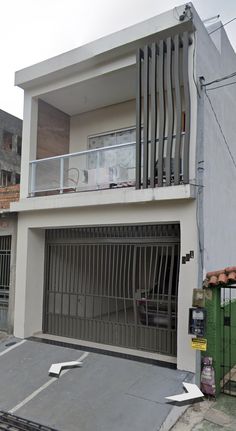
column 29, row 281
column 188, row 279
column 29, row 141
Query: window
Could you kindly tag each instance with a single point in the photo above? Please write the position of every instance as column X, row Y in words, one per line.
column 6, row 178
column 109, row 139
column 7, row 140
column 18, row 145
column 112, row 138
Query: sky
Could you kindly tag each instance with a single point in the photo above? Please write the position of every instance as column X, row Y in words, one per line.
column 34, row 30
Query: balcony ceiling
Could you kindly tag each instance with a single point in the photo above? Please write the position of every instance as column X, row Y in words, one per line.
column 104, row 90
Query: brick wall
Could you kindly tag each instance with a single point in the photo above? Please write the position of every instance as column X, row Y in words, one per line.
column 8, row 195
column 10, row 133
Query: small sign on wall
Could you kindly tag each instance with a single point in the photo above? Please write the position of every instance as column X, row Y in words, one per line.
column 199, row 344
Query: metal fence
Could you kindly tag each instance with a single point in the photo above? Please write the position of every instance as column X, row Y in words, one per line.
column 228, row 340
column 5, row 262
column 103, row 286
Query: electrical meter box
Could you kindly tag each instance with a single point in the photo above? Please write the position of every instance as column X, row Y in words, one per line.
column 198, row 298
column 197, row 321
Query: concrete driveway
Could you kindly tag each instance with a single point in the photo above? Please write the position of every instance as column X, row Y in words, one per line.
column 106, row 394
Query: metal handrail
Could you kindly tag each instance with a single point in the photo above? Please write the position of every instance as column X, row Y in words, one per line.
column 61, row 158
column 79, row 153
column 60, row 186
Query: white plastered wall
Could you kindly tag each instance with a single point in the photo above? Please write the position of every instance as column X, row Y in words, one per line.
column 216, row 169
column 107, row 119
column 29, row 140
column 30, row 260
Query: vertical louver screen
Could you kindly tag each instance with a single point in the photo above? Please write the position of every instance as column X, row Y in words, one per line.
column 163, row 113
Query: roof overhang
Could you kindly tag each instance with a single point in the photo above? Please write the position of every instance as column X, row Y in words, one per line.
column 119, row 44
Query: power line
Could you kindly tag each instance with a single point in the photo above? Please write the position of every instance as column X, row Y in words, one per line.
column 220, row 86
column 222, row 133
column 222, row 25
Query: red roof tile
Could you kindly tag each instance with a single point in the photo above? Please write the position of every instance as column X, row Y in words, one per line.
column 221, row 277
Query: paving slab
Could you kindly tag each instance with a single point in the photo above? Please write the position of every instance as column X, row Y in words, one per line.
column 107, row 393
column 217, row 417
column 209, row 415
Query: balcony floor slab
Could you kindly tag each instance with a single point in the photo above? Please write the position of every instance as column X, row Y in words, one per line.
column 104, row 197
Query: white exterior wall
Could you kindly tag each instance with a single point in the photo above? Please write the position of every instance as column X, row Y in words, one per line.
column 30, row 258
column 217, row 172
column 114, row 117
column 29, row 140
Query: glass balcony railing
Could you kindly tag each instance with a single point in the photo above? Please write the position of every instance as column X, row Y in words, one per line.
column 94, row 169
column 102, row 168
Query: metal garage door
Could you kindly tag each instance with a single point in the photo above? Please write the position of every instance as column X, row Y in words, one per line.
column 5, row 261
column 114, row 285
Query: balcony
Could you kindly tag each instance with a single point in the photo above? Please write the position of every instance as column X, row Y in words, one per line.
column 109, row 167
column 145, row 104
column 101, row 168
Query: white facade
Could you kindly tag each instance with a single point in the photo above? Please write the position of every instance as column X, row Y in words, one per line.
column 95, row 86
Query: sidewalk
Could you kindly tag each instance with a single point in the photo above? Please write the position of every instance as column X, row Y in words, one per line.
column 3, row 336
column 209, row 416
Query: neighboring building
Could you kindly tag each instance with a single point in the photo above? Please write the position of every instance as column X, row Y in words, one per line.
column 127, row 185
column 8, row 237
column 10, row 149
column 10, row 158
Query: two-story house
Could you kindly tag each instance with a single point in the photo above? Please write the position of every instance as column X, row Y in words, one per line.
column 127, row 186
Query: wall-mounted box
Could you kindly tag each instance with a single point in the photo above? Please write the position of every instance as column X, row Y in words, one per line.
column 198, row 298
column 197, row 321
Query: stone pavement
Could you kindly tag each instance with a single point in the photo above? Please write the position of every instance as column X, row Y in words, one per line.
column 209, row 416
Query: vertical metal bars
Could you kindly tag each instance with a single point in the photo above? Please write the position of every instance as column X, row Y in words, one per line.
column 5, row 263
column 187, row 109
column 119, row 291
column 145, row 116
column 178, row 111
column 228, row 346
column 163, row 80
column 170, row 113
column 138, row 118
column 161, row 96
column 153, row 115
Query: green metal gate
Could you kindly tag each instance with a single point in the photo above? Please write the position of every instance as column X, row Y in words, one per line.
column 228, row 340
column 114, row 285
column 5, row 261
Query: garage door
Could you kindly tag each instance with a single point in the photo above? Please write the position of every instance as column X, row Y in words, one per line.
column 115, row 285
